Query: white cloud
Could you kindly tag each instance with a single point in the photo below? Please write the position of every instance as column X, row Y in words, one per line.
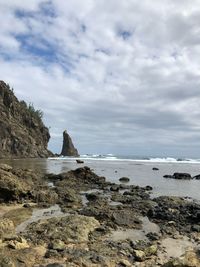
column 119, row 75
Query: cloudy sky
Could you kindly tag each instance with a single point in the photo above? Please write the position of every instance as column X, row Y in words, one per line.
column 121, row 76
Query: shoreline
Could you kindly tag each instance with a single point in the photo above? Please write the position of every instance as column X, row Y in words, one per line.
column 79, row 217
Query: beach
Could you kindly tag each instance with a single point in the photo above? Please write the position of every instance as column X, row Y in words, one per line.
column 62, row 213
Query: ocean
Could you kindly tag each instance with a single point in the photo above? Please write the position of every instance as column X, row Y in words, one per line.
column 138, row 169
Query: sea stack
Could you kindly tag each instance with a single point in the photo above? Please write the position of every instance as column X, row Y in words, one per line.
column 68, row 148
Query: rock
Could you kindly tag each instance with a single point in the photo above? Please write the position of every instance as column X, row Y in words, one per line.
column 57, row 244
column 5, row 167
column 139, row 255
column 23, row 186
column 27, row 205
column 175, row 214
column 6, row 261
column 189, row 259
column 67, row 196
column 124, row 179
column 22, row 132
column 148, row 188
column 152, row 250
column 47, row 196
column 68, row 148
column 153, row 236
column 92, row 196
column 125, row 263
column 19, row 243
column 114, row 188
column 197, row 177
column 126, row 218
column 79, row 161
column 179, row 176
column 155, row 169
column 168, row 176
column 7, row 228
column 11, row 187
column 68, row 229
column 144, row 252
column 195, row 228
column 182, row 176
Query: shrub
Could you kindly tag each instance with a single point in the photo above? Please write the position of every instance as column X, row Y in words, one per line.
column 36, row 113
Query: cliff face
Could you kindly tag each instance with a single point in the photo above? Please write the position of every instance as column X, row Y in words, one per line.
column 68, row 148
column 22, row 132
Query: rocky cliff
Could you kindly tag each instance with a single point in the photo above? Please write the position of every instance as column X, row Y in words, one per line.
column 22, row 132
column 68, row 148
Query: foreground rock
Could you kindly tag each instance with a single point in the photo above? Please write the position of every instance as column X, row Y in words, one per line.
column 17, row 185
column 68, row 229
column 91, row 224
column 189, row 259
column 175, row 214
column 22, row 132
column 68, row 148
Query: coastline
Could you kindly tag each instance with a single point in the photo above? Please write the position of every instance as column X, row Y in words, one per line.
column 78, row 217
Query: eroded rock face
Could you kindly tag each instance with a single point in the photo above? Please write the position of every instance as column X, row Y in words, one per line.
column 68, row 148
column 22, row 132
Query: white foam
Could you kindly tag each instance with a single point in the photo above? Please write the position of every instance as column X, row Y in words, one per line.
column 98, row 157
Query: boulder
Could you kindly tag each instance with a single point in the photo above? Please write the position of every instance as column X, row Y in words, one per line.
column 57, row 244
column 155, row 169
column 182, row 176
column 197, row 177
column 12, row 187
column 68, row 148
column 114, row 188
column 79, row 161
column 19, row 243
column 139, row 255
column 126, row 218
column 124, row 179
column 179, row 176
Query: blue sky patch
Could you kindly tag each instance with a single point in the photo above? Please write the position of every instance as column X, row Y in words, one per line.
column 125, row 34
column 41, row 49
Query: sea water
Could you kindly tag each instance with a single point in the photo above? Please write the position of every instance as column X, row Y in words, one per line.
column 138, row 169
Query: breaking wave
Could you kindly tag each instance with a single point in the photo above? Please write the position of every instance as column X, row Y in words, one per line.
column 113, row 157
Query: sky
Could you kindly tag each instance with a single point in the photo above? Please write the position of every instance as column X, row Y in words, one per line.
column 122, row 77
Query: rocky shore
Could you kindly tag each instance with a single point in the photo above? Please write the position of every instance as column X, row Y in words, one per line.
column 77, row 218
